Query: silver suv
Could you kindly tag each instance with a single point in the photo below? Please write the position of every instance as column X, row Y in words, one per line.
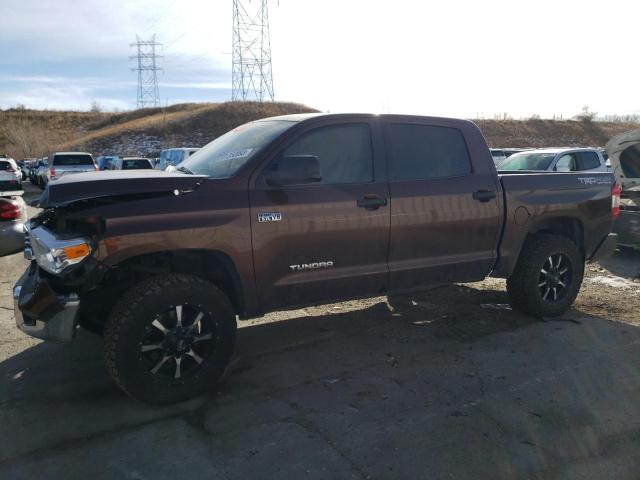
column 65, row 163
column 556, row 160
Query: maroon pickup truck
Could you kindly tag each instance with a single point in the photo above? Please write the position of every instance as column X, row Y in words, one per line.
column 293, row 211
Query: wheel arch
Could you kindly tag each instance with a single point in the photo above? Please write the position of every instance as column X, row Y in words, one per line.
column 211, row 265
column 568, row 227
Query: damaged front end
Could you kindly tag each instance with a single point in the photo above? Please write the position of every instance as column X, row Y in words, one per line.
column 62, row 240
column 46, row 297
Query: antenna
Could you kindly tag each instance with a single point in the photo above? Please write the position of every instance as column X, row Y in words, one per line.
column 252, row 78
column 148, row 93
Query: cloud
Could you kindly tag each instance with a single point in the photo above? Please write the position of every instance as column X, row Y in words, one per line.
column 406, row 56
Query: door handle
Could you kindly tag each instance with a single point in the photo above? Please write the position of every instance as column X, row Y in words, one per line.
column 484, row 195
column 372, row 202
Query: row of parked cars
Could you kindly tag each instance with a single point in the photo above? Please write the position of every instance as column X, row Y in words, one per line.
column 41, row 171
column 168, row 158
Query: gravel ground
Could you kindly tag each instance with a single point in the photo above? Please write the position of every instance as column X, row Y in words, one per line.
column 448, row 383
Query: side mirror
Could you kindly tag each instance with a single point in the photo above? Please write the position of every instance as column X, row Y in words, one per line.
column 293, row 170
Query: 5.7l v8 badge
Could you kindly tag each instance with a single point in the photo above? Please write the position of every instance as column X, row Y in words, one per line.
column 269, row 217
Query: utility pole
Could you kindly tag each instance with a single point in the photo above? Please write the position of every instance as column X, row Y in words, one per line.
column 252, row 78
column 148, row 93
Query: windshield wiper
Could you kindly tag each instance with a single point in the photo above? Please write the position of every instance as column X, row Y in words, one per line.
column 185, row 170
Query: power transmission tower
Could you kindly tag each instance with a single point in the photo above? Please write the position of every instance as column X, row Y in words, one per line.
column 148, row 93
column 252, row 78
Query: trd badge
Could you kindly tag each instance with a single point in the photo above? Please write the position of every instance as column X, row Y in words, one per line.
column 269, row 217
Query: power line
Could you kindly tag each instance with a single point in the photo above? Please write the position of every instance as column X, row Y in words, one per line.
column 252, row 78
column 148, row 92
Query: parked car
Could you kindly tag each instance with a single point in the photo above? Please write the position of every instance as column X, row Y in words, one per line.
column 174, row 156
column 623, row 153
column 13, row 214
column 292, row 211
column 131, row 163
column 65, row 163
column 510, row 151
column 34, row 171
column 23, row 167
column 498, row 155
column 556, row 160
column 10, row 176
column 104, row 161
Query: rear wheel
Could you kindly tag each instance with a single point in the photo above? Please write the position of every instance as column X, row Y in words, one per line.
column 547, row 277
column 169, row 338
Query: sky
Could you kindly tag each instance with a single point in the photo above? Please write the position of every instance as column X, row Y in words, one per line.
column 433, row 57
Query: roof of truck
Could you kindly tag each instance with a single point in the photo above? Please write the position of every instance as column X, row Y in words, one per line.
column 70, row 153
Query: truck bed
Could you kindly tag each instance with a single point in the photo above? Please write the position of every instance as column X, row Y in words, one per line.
column 535, row 200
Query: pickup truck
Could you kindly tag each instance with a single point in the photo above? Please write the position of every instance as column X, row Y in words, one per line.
column 65, row 163
column 293, row 211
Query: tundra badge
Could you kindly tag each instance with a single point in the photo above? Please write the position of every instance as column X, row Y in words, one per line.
column 269, row 217
column 311, row 266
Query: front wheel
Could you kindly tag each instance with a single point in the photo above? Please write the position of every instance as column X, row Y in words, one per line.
column 169, row 338
column 547, row 277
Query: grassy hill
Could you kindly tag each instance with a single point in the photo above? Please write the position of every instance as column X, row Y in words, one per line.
column 35, row 133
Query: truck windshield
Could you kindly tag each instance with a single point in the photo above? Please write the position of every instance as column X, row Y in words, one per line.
column 527, row 161
column 226, row 154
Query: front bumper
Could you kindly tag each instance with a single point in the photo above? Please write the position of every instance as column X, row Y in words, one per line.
column 41, row 312
column 606, row 248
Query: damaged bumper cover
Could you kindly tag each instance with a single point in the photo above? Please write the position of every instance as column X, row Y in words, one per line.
column 41, row 312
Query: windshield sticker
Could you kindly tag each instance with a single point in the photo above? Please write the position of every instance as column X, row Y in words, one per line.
column 245, row 152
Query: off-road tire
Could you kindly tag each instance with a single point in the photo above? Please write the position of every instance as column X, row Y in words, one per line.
column 136, row 311
column 523, row 284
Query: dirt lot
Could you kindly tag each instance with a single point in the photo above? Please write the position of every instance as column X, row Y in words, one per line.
column 448, row 383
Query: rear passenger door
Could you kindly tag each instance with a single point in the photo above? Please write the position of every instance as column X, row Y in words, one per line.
column 322, row 241
column 445, row 214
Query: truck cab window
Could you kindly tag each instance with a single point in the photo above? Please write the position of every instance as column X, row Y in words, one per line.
column 566, row 163
column 420, row 152
column 587, row 160
column 344, row 152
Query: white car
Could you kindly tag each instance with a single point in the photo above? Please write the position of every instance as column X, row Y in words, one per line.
column 10, row 175
column 556, row 160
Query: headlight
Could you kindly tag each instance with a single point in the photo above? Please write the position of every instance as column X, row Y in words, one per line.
column 54, row 254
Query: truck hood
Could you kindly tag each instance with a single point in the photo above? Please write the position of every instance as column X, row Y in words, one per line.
column 115, row 183
column 624, row 155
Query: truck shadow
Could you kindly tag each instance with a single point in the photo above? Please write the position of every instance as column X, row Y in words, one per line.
column 625, row 263
column 48, row 372
column 389, row 347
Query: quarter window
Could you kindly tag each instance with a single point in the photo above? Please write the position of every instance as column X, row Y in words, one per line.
column 421, row 152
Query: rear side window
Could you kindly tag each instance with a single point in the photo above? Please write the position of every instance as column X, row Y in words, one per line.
column 344, row 152
column 69, row 160
column 420, row 152
column 135, row 164
column 587, row 160
column 567, row 163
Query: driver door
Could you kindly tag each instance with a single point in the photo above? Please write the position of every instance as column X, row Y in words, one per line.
column 323, row 240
